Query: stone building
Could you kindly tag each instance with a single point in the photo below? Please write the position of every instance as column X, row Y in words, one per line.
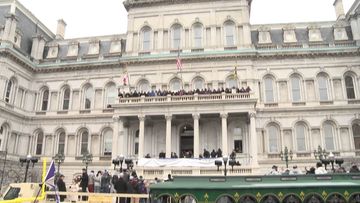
column 60, row 95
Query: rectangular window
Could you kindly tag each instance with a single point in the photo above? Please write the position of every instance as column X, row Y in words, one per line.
column 323, row 90
column 238, row 146
column 295, row 85
column 300, row 138
column 269, row 92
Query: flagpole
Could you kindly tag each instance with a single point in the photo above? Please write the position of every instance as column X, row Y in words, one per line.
column 182, row 82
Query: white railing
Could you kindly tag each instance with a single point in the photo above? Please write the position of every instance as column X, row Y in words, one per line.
column 186, row 98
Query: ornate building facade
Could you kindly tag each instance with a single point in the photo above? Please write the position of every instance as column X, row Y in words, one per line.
column 61, row 95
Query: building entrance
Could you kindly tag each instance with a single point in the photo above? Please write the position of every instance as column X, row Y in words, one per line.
column 187, row 141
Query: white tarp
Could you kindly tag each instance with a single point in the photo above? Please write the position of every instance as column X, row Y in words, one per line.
column 181, row 162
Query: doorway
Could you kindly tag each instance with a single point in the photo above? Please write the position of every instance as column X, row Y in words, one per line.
column 186, row 141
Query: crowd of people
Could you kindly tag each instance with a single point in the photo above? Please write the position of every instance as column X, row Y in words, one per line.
column 204, row 91
column 318, row 169
column 126, row 182
column 189, row 154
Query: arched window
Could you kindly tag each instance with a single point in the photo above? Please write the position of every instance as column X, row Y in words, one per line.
column 88, row 96
column 273, row 133
column 295, row 88
column 146, row 35
column 66, row 99
column 175, row 84
column 356, row 135
column 176, row 36
column 8, row 91
column 61, row 146
column 349, row 84
column 229, row 28
column 323, row 84
column 84, row 142
column 300, row 133
column 143, row 86
column 197, row 31
column 39, row 143
column 3, row 134
column 198, row 83
column 269, row 89
column 45, row 100
column 231, row 82
column 107, row 145
column 329, row 136
column 111, row 94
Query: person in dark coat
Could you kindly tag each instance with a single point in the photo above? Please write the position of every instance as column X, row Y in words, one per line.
column 84, row 182
column 121, row 187
column 61, row 187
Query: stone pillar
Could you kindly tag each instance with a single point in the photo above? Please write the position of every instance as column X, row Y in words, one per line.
column 66, row 144
column 253, row 139
column 196, row 118
column 141, row 136
column 224, row 140
column 168, row 136
column 114, row 146
column 119, row 149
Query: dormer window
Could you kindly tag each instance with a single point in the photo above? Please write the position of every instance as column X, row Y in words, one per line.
column 53, row 51
column 264, row 36
column 115, row 46
column 289, row 34
column 340, row 32
column 73, row 49
column 94, row 47
column 314, row 34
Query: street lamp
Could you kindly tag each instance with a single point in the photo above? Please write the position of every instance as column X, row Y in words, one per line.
column 322, row 155
column 118, row 161
column 27, row 160
column 286, row 155
column 225, row 160
column 86, row 159
column 59, row 159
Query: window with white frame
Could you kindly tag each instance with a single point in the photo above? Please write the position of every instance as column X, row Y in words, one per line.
column 229, row 29
column 349, row 84
column 232, row 82
column 8, row 91
column 300, row 132
column 39, row 143
column 329, row 136
column 323, row 84
column 269, row 89
column 66, row 99
column 198, row 83
column 84, row 142
column 273, row 133
column 61, row 144
column 175, row 84
column 111, row 94
column 296, row 88
column 88, row 97
column 107, row 145
column 356, row 135
column 176, row 36
column 143, row 86
column 45, row 100
column 198, row 32
column 146, row 38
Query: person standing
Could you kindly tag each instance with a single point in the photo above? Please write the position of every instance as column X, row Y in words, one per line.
column 84, row 183
column 105, row 182
column 91, row 181
column 61, row 187
column 97, row 182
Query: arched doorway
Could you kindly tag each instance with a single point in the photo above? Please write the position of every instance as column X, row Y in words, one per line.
column 186, row 141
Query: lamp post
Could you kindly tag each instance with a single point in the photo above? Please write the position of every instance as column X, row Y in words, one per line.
column 286, row 155
column 322, row 155
column 59, row 159
column 332, row 160
column 225, row 160
column 27, row 160
column 86, row 159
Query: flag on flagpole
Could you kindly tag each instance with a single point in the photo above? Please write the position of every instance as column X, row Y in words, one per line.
column 178, row 62
column 50, row 180
column 235, row 73
column 126, row 78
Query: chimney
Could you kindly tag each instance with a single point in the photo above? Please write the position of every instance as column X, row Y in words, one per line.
column 339, row 9
column 60, row 31
column 37, row 48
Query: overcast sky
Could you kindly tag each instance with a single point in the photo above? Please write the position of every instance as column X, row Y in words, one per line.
column 105, row 17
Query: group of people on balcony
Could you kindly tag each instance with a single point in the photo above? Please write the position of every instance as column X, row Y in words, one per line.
column 189, row 154
column 204, row 91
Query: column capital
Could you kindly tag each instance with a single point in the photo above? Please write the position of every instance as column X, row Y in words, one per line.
column 141, row 117
column 116, row 118
column 196, row 116
column 224, row 115
column 252, row 114
column 168, row 116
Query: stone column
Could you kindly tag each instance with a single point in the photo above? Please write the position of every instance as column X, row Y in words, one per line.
column 196, row 118
column 141, row 136
column 224, row 141
column 66, row 144
column 116, row 120
column 168, row 136
column 253, row 139
column 119, row 149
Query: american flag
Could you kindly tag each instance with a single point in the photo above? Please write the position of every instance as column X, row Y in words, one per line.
column 126, row 78
column 178, row 62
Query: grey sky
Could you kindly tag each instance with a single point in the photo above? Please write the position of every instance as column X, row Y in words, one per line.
column 94, row 17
